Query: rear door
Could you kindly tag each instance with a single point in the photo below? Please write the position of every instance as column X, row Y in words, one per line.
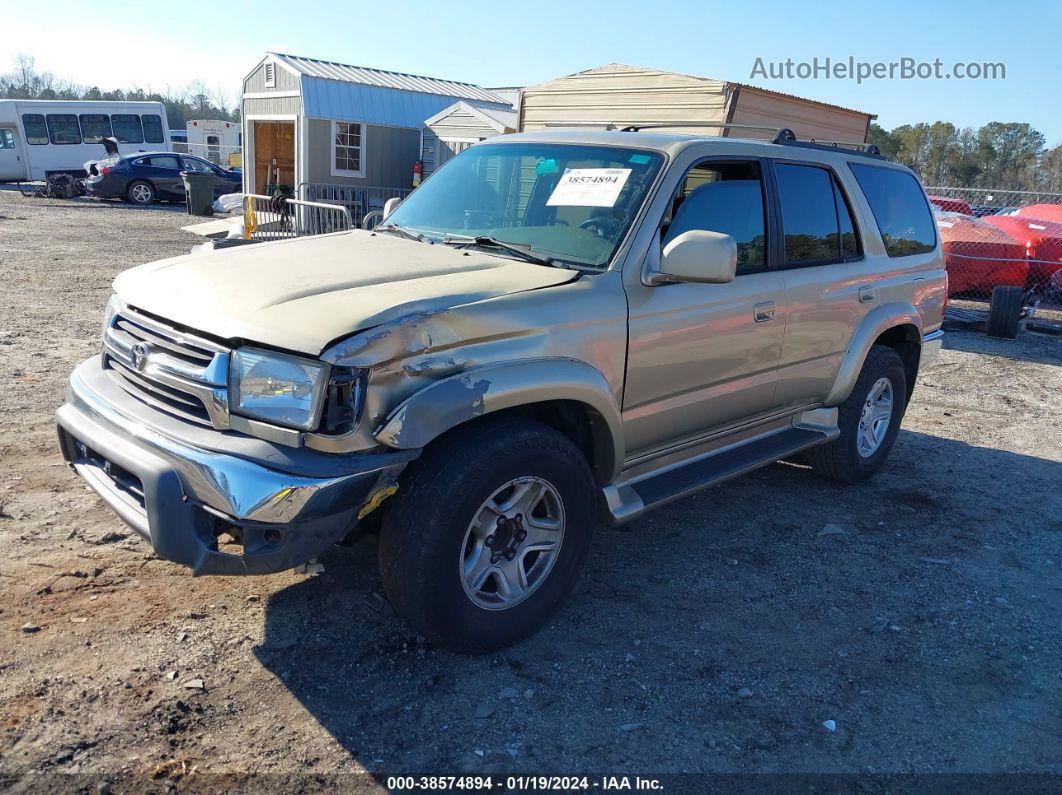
column 11, row 163
column 164, row 171
column 829, row 288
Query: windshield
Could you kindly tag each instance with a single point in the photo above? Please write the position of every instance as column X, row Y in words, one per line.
column 567, row 203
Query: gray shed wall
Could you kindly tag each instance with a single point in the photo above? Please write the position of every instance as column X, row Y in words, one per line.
column 390, row 153
column 285, row 81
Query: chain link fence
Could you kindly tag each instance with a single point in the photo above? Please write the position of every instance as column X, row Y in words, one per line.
column 1003, row 253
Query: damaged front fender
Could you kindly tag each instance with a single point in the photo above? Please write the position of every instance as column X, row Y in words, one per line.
column 447, row 403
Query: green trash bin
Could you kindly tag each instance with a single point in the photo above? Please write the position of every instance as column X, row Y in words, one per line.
column 199, row 192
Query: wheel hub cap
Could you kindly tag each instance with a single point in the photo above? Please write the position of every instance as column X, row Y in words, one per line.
column 512, row 543
column 875, row 417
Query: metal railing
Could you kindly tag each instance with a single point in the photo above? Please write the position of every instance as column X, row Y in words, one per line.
column 278, row 217
column 361, row 201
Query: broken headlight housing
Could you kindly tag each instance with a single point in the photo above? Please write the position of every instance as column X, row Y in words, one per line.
column 277, row 387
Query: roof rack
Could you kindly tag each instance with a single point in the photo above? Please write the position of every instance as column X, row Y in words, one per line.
column 782, row 135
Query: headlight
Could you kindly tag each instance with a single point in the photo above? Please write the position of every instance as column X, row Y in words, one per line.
column 286, row 390
column 110, row 312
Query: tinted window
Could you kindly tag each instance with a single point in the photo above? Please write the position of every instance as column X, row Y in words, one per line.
column 163, row 161
column 7, row 138
column 849, row 239
column 727, row 198
column 900, row 209
column 63, row 128
column 127, row 128
column 192, row 164
column 809, row 214
column 95, row 127
column 152, row 128
column 36, row 132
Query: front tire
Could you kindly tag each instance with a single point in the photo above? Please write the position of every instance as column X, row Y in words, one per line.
column 487, row 533
column 869, row 421
column 141, row 192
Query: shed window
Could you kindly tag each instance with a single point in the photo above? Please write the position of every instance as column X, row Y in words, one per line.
column 347, row 153
column 152, row 128
column 63, row 128
column 36, row 132
column 127, row 128
column 95, row 127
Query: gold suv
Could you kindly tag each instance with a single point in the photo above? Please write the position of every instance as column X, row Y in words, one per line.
column 555, row 326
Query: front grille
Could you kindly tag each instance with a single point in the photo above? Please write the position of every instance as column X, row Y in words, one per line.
column 170, row 370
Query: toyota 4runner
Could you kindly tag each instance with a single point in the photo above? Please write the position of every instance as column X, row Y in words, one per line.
column 555, row 325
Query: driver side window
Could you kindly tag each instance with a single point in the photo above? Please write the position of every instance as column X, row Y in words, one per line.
column 727, row 198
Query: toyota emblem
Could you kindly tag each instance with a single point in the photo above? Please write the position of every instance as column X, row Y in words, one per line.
column 141, row 351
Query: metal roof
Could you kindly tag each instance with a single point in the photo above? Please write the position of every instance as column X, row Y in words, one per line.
column 501, row 119
column 365, row 76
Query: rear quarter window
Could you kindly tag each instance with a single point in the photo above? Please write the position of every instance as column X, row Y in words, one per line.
column 900, row 209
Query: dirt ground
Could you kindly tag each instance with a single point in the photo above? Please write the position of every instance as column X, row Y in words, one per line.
column 920, row 612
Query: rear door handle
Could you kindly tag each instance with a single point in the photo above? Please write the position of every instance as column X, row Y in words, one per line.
column 763, row 312
column 866, row 294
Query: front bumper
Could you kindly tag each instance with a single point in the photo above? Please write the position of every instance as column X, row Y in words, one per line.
column 180, row 496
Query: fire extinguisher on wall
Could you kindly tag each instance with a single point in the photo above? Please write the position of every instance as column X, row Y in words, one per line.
column 418, row 173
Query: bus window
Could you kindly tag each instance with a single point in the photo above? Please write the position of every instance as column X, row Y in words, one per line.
column 63, row 129
column 127, row 128
column 153, row 128
column 36, row 132
column 95, row 127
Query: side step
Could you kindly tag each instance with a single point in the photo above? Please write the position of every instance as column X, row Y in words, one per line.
column 628, row 499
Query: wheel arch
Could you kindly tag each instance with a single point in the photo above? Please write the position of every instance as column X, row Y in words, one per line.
column 567, row 394
column 897, row 326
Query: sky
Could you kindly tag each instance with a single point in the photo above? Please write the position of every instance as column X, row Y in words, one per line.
column 505, row 44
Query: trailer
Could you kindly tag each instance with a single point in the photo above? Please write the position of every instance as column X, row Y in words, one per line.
column 42, row 137
column 215, row 140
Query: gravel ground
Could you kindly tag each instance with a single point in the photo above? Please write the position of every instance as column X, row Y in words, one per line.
column 919, row 612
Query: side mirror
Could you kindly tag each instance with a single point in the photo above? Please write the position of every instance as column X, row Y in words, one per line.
column 391, row 205
column 698, row 256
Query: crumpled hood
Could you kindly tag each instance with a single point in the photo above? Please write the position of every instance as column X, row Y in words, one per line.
column 303, row 294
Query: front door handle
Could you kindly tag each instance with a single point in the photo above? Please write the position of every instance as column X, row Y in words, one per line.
column 763, row 312
column 866, row 294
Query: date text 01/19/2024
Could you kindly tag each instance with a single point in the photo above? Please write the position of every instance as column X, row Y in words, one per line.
column 522, row 783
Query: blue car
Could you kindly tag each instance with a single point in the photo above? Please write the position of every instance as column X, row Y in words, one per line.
column 148, row 177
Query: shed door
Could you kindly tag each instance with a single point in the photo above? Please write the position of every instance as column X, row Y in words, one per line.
column 447, row 148
column 274, row 154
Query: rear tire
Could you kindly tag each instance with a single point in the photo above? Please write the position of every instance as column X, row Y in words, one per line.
column 444, row 546
column 141, row 192
column 861, row 450
column 1004, row 312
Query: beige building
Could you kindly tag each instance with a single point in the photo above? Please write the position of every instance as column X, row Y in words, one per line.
column 630, row 95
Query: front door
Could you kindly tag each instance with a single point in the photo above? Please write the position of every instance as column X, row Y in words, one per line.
column 12, row 166
column 703, row 356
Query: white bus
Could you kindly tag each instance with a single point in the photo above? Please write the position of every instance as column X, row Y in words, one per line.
column 39, row 137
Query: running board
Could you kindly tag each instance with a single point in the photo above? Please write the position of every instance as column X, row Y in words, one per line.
column 633, row 494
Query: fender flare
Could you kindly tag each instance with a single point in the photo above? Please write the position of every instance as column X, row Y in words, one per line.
column 878, row 320
column 445, row 404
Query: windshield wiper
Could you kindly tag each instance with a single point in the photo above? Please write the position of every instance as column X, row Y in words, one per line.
column 408, row 234
column 488, row 241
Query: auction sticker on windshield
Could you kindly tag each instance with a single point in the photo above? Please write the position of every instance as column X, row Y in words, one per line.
column 589, row 187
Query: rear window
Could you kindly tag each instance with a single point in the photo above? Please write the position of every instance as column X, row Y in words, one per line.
column 36, row 131
column 900, row 209
column 63, row 128
column 816, row 222
column 152, row 128
column 95, row 127
column 127, row 128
